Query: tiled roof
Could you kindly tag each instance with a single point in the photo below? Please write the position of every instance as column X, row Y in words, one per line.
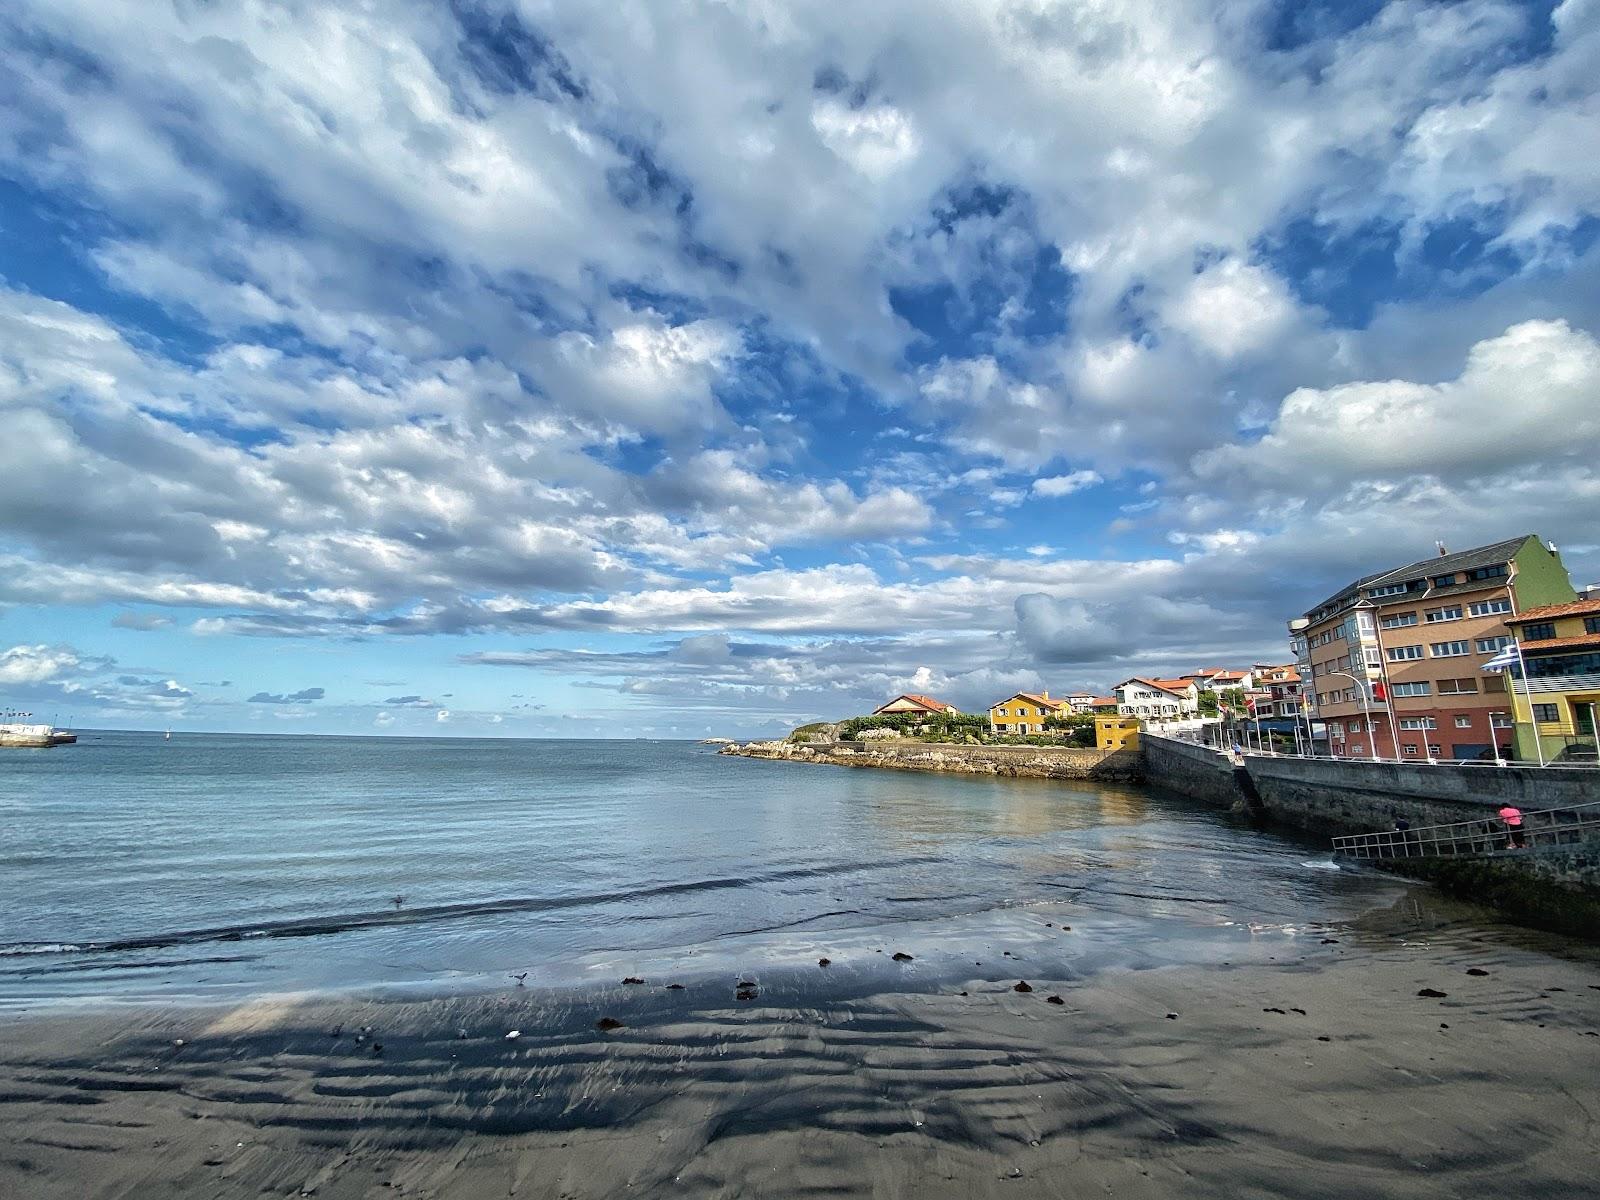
column 1163, row 685
column 1101, row 701
column 1031, row 699
column 927, row 702
column 1579, row 642
column 1572, row 608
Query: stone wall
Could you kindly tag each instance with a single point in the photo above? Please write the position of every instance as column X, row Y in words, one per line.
column 1189, row 770
column 1031, row 762
column 1339, row 796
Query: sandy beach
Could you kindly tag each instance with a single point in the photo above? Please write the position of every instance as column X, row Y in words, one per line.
column 1320, row 1069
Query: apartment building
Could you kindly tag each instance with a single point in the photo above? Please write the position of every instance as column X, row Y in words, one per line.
column 1392, row 662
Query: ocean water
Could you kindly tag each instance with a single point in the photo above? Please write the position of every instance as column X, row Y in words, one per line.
column 215, row 867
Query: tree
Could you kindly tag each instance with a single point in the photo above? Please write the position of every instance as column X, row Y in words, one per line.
column 1208, row 703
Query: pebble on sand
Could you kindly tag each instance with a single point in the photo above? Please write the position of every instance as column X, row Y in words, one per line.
column 674, row 987
column 1054, row 1000
column 1022, row 986
column 1433, row 993
column 824, row 962
column 607, row 1024
column 900, row 956
column 513, row 1035
column 1476, row 971
column 632, row 979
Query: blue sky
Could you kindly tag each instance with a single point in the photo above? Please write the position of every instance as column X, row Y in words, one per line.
column 534, row 368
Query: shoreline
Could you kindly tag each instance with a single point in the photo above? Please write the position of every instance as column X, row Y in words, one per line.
column 847, row 1083
column 1015, row 762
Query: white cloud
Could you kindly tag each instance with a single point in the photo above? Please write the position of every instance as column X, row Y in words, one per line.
column 1525, row 398
column 1054, row 486
column 36, row 664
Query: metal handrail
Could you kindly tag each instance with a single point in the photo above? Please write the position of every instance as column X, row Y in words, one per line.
column 1485, row 835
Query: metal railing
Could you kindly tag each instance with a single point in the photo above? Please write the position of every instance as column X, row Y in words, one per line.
column 1485, row 835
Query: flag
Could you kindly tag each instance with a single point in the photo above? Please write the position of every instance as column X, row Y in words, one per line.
column 1506, row 659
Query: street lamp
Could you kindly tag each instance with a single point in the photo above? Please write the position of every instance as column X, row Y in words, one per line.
column 1366, row 709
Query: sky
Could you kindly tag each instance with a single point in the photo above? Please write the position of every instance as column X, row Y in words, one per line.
column 535, row 368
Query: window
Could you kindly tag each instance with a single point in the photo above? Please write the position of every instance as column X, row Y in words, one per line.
column 1488, row 608
column 1418, row 723
column 1355, row 726
column 1490, row 645
column 1410, row 748
column 1411, row 689
column 1404, row 653
column 1443, row 580
column 1499, row 720
column 1463, row 721
column 1399, row 620
column 1591, row 624
column 1449, row 649
column 1586, row 663
column 1434, row 750
column 1453, row 613
column 1539, row 631
column 1497, row 571
column 1546, row 713
column 1393, row 589
column 1457, row 687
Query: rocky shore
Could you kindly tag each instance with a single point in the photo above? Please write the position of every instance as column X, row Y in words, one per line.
column 1026, row 762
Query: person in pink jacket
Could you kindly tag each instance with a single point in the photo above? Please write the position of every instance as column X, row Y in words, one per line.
column 1511, row 816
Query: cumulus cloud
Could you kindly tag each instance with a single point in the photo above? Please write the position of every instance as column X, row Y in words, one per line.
column 303, row 696
column 36, row 664
column 1054, row 486
column 1525, row 397
column 728, row 320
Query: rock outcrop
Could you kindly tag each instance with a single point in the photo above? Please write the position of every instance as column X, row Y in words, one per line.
column 1031, row 762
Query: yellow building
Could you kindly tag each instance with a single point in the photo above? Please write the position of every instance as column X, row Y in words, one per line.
column 1025, row 712
column 1556, row 694
column 1116, row 733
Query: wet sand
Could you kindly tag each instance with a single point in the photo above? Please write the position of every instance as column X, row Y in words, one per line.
column 1184, row 1081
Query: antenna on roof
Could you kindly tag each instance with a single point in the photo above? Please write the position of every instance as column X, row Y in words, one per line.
column 1439, row 546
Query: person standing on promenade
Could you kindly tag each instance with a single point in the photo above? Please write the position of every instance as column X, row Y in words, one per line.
column 1511, row 816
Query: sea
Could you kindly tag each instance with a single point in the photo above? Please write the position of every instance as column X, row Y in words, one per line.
column 211, row 868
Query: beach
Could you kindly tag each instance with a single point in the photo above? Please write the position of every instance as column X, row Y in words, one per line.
column 1313, row 1067
column 315, row 995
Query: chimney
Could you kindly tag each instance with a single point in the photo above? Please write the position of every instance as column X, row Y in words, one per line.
column 1046, row 693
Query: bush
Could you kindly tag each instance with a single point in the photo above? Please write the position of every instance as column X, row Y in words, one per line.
column 931, row 726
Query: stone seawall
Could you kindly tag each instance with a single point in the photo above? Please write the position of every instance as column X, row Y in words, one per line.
column 1025, row 762
column 1189, row 770
column 1338, row 796
column 1554, row 888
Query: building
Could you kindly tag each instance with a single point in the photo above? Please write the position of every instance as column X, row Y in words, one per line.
column 1556, row 694
column 1158, row 699
column 1116, row 733
column 1219, row 679
column 1025, row 712
column 1081, row 702
column 1276, row 692
column 1393, row 661
column 916, row 705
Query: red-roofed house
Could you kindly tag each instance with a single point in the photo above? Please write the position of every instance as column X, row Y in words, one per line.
column 1158, row 699
column 909, row 703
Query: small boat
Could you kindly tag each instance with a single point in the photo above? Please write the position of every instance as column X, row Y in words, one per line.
column 168, row 736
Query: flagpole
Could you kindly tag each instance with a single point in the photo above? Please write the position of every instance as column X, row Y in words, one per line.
column 1527, row 694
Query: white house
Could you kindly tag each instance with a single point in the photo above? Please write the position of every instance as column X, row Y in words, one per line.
column 1158, row 699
